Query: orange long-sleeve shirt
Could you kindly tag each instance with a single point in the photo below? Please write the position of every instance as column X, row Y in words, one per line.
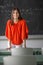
column 17, row 32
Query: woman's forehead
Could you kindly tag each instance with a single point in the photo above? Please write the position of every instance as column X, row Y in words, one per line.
column 15, row 10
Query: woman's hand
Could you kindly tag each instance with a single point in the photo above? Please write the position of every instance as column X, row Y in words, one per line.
column 8, row 48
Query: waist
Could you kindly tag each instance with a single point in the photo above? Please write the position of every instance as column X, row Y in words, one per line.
column 17, row 42
column 16, row 46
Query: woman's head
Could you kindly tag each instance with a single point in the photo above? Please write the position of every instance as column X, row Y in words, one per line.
column 16, row 14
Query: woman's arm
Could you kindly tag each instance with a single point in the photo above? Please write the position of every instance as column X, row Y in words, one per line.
column 9, row 45
column 24, row 43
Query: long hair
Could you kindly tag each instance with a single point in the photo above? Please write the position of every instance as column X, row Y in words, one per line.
column 19, row 18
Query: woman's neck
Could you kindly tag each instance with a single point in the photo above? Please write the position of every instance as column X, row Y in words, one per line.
column 15, row 20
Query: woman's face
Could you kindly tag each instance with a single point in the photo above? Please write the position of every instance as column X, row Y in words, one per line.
column 15, row 14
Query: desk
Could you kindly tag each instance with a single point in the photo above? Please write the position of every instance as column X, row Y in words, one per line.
column 39, row 58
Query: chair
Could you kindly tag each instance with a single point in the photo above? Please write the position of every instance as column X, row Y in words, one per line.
column 19, row 60
column 21, row 51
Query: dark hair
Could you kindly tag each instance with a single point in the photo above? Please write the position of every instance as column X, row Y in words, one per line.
column 18, row 12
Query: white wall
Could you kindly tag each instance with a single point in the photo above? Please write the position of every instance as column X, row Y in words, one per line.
column 34, row 41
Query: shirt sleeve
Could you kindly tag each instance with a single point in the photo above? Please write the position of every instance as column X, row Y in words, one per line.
column 25, row 30
column 7, row 30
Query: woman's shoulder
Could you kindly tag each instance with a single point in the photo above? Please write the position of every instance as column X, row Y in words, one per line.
column 23, row 21
column 9, row 21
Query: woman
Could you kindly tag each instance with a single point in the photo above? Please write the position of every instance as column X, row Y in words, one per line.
column 16, row 30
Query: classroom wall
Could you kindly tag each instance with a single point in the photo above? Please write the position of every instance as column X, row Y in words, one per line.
column 33, row 41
